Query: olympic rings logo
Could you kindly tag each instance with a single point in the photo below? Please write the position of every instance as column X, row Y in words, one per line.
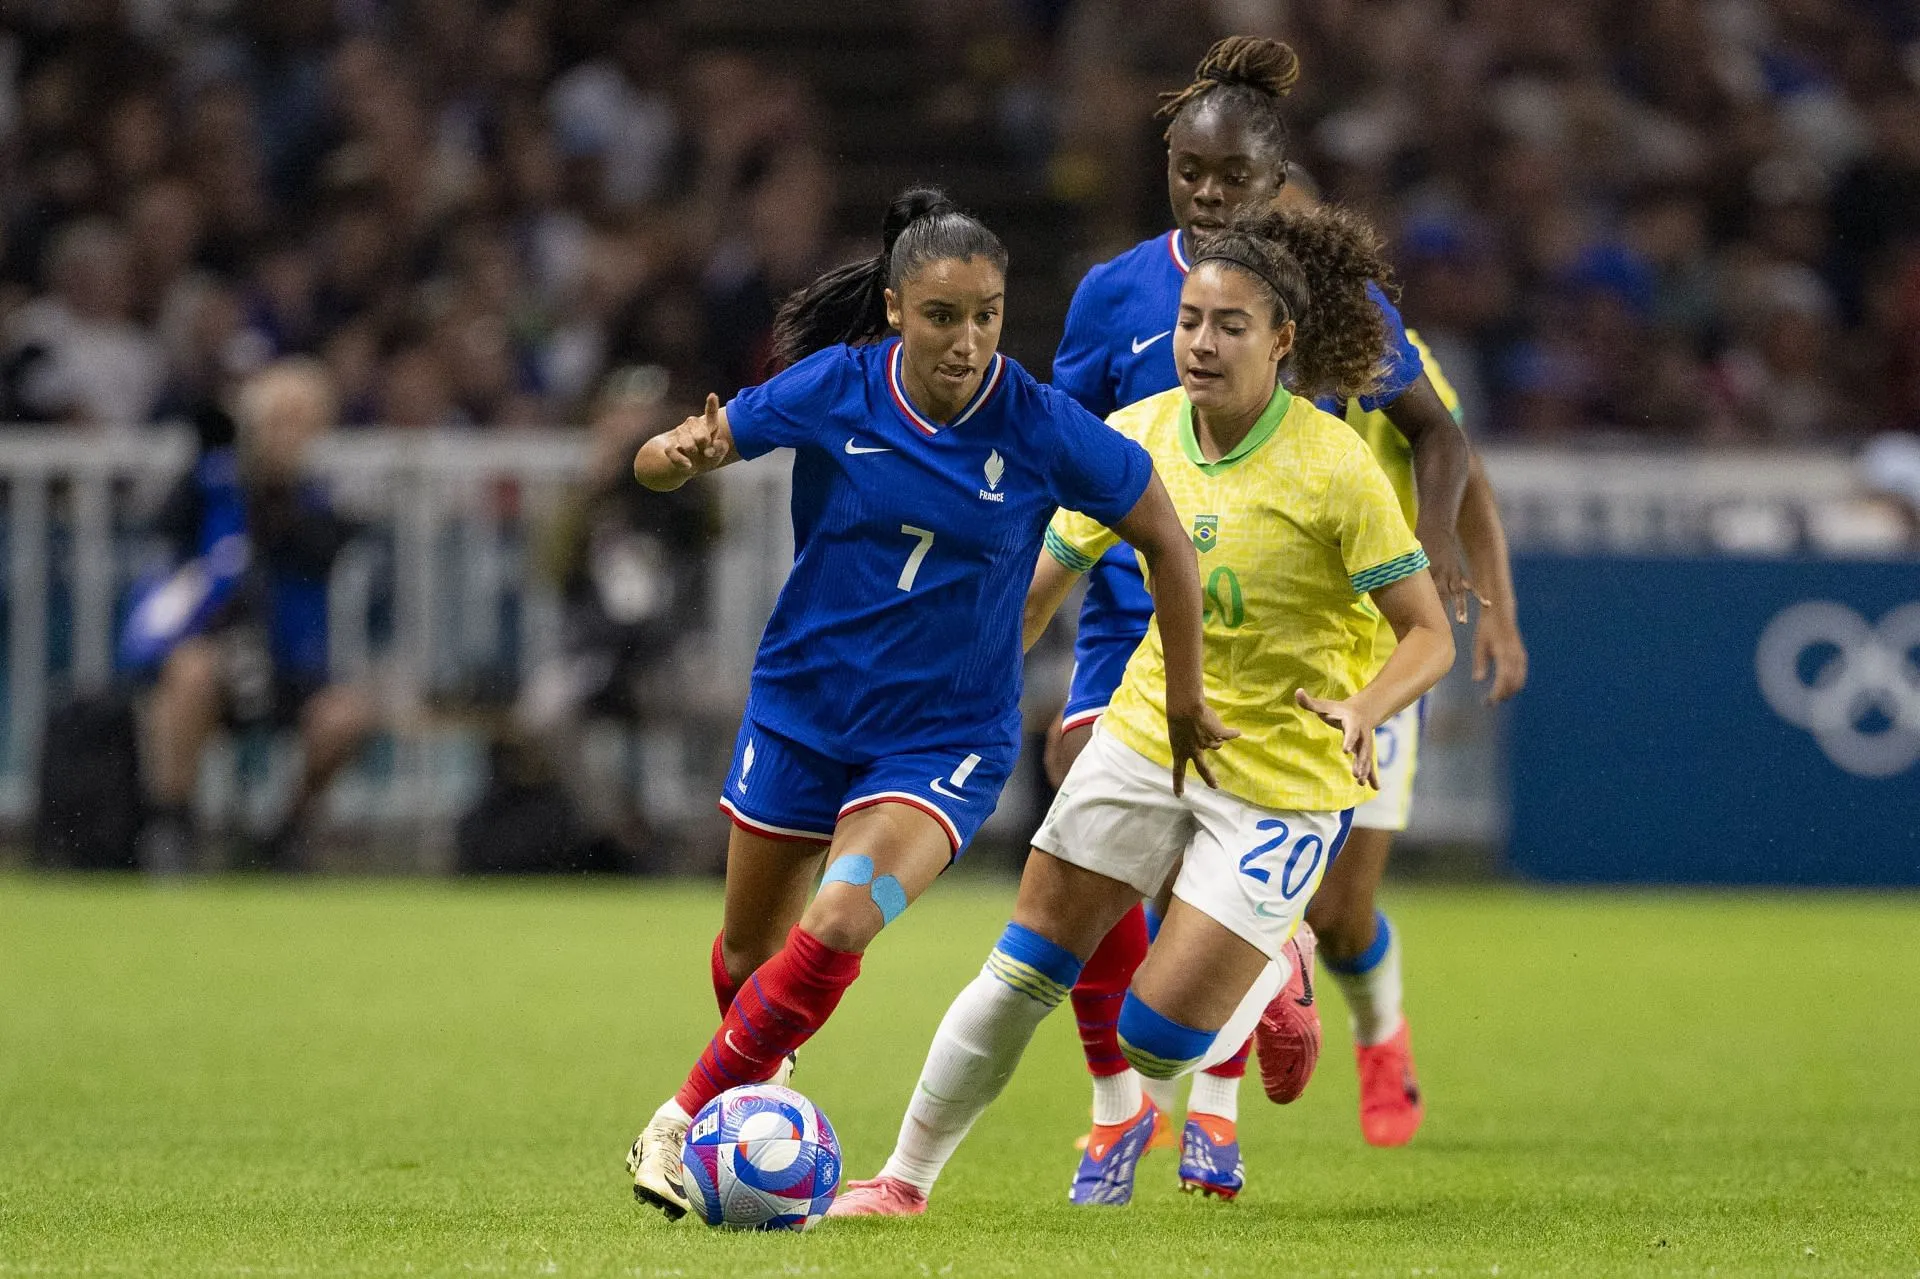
column 1859, row 671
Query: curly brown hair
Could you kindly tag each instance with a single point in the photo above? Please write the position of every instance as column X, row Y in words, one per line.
column 1251, row 73
column 1315, row 264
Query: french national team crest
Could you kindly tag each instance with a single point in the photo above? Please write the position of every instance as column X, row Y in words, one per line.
column 1206, row 531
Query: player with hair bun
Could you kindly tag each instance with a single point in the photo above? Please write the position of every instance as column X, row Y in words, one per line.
column 883, row 715
column 1226, row 150
column 1303, row 546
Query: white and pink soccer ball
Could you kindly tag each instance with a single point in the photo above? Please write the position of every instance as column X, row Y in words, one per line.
column 761, row 1157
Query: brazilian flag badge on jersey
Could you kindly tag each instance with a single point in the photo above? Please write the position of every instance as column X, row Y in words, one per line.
column 1206, row 531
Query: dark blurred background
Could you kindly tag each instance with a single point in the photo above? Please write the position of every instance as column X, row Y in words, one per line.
column 1667, row 250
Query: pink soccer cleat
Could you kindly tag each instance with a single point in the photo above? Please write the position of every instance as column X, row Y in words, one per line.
column 1288, row 1036
column 881, row 1197
column 1390, row 1105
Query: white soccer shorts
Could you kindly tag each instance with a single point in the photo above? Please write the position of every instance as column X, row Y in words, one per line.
column 1250, row 869
column 1396, row 749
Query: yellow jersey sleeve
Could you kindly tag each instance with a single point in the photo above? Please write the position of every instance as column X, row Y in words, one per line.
column 1449, row 398
column 1078, row 541
column 1364, row 519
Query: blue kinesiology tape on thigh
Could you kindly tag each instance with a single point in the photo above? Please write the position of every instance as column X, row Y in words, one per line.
column 887, row 893
column 856, row 870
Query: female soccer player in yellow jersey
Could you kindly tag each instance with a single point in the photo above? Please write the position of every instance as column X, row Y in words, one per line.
column 1356, row 941
column 1227, row 149
column 1302, row 546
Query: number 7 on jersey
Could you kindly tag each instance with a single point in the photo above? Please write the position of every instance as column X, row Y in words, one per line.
column 912, row 570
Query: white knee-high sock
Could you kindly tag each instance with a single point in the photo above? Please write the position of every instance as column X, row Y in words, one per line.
column 1371, row 984
column 1163, row 1093
column 974, row 1052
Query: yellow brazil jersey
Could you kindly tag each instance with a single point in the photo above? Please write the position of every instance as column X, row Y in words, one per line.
column 1395, row 456
column 1293, row 527
column 1389, row 446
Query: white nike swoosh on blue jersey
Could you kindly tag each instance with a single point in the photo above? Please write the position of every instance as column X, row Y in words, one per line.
column 939, row 785
column 854, row 450
column 1141, row 344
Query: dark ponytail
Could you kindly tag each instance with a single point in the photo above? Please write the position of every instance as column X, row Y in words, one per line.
column 849, row 304
column 1246, row 73
column 1315, row 265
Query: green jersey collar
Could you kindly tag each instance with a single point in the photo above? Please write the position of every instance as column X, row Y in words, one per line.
column 1269, row 422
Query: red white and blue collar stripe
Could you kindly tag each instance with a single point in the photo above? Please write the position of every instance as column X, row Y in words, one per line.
column 989, row 383
column 1174, row 251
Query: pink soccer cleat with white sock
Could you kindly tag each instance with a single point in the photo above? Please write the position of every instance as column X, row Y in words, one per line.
column 1288, row 1036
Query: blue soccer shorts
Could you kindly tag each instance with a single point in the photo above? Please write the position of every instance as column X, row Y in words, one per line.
column 781, row 789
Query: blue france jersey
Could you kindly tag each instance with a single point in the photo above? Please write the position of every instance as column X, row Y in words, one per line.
column 1117, row 350
column 899, row 626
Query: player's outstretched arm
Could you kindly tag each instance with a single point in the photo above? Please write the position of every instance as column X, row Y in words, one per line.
column 1153, row 528
column 1442, row 461
column 1425, row 653
column 696, row 446
column 1498, row 650
column 1052, row 580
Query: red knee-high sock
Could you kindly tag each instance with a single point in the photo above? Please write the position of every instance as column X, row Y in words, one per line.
column 1102, row 988
column 779, row 1008
column 1234, row 1067
column 724, row 986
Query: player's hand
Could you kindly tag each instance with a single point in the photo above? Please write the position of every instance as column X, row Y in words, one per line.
column 1450, row 574
column 1356, row 733
column 1192, row 735
column 1499, row 651
column 696, row 446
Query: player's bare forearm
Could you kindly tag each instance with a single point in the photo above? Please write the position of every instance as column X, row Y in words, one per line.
column 1484, row 539
column 1441, row 462
column 1499, row 651
column 1423, row 655
column 698, row 445
column 1153, row 528
column 1052, row 580
column 1442, row 458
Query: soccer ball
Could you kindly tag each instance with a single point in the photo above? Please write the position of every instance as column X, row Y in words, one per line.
column 761, row 1157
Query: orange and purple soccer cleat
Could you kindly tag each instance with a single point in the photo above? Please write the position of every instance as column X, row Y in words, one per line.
column 1105, row 1175
column 1210, row 1162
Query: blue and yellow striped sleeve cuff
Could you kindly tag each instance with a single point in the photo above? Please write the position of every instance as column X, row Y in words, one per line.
column 1074, row 559
column 1372, row 579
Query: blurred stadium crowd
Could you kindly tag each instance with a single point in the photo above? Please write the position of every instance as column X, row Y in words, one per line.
column 1693, row 219
column 1690, row 222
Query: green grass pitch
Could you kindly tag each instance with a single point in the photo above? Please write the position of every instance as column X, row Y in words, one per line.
column 388, row 1078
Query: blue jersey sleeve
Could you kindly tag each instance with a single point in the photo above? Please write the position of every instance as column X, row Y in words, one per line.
column 1080, row 365
column 1095, row 470
column 1403, row 358
column 790, row 408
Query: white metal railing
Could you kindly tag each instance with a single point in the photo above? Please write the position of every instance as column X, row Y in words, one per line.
column 451, row 519
column 451, row 512
column 1704, row 501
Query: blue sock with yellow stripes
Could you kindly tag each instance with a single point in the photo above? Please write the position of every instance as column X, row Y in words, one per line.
column 1158, row 1046
column 979, row 1042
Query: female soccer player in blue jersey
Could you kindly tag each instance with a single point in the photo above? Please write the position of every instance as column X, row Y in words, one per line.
column 1226, row 148
column 883, row 715
column 1304, row 546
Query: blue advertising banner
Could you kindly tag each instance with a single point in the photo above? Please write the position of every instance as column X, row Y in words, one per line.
column 1717, row 721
